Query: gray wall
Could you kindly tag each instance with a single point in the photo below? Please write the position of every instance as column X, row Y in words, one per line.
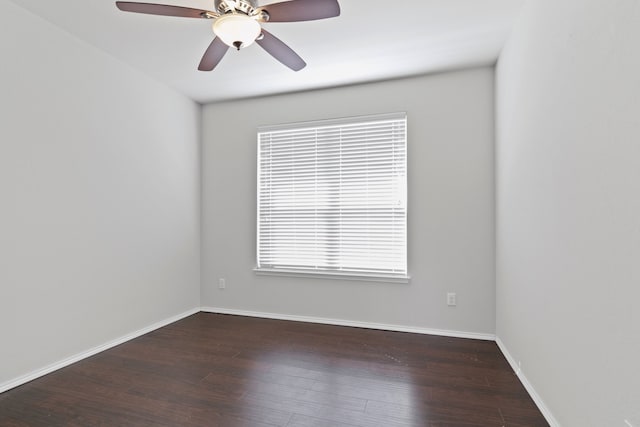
column 451, row 205
column 99, row 197
column 568, row 228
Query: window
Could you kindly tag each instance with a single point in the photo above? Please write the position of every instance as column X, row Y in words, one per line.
column 332, row 198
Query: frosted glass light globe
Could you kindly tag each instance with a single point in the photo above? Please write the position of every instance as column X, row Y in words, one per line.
column 236, row 30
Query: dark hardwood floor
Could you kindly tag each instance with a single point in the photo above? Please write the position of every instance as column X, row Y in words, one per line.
column 220, row 370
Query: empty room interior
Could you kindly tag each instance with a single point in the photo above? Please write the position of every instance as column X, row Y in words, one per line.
column 141, row 278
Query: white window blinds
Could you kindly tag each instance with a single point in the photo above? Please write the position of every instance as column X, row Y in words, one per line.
column 332, row 197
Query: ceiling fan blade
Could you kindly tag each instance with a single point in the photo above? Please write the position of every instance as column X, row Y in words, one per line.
column 279, row 50
column 302, row 10
column 213, row 55
column 164, row 9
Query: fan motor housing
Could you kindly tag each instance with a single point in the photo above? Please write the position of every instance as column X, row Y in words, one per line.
column 245, row 6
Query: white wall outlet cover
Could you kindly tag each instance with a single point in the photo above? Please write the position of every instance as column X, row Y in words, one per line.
column 451, row 299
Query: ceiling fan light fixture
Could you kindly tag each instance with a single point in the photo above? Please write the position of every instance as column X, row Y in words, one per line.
column 237, row 30
column 237, row 23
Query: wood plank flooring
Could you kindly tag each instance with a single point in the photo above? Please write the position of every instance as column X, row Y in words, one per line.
column 228, row 371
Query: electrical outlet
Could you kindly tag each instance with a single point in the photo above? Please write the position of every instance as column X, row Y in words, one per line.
column 222, row 283
column 451, row 299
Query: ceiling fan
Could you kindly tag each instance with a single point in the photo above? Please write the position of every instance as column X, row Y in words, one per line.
column 236, row 23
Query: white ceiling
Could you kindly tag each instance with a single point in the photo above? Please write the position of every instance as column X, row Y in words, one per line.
column 371, row 40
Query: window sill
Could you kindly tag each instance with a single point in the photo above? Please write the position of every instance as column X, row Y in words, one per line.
column 332, row 276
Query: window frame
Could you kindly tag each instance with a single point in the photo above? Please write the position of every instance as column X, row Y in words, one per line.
column 329, row 273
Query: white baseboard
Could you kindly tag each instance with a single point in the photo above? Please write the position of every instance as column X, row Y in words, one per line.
column 341, row 322
column 527, row 385
column 78, row 357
